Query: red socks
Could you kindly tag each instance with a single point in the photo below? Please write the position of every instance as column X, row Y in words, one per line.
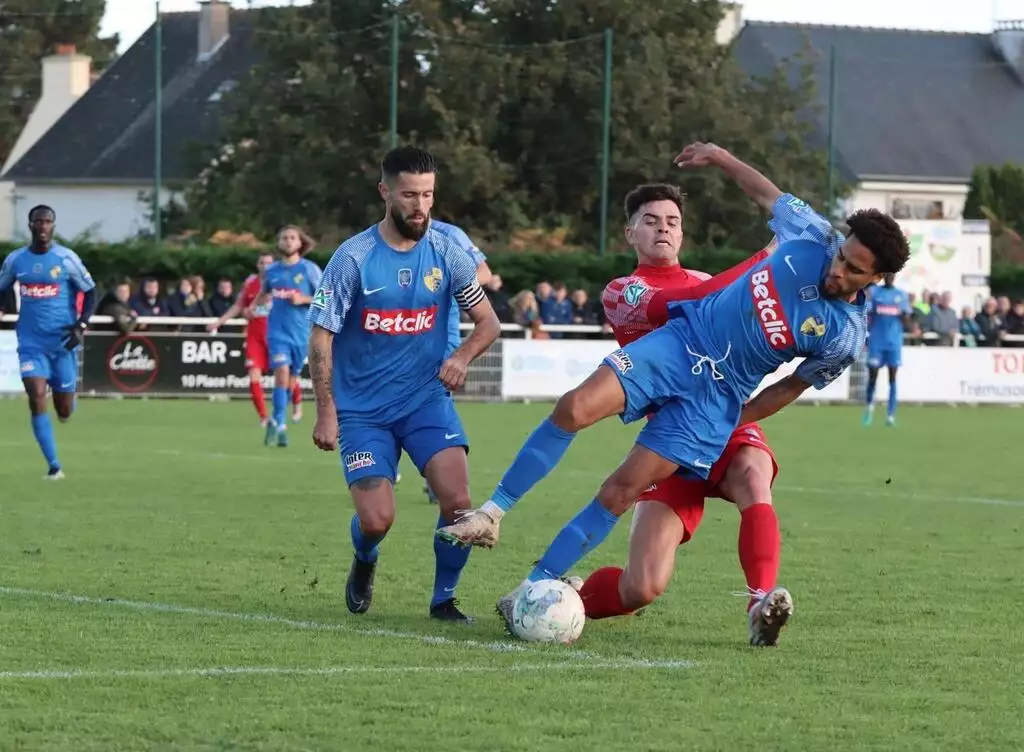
column 258, row 400
column 296, row 394
column 600, row 594
column 759, row 546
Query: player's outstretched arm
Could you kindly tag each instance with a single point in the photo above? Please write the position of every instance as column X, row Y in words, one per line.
column 486, row 329
column 235, row 309
column 321, row 371
column 773, row 398
column 760, row 189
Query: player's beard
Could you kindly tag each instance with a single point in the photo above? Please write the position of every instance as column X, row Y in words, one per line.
column 407, row 230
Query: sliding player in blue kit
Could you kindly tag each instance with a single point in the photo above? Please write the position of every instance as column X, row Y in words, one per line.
column 383, row 375
column 50, row 329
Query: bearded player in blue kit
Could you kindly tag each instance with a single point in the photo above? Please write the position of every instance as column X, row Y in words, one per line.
column 888, row 309
column 50, row 330
column 382, row 372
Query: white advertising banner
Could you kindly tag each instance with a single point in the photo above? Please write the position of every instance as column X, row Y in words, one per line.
column 10, row 373
column 547, row 369
column 958, row 375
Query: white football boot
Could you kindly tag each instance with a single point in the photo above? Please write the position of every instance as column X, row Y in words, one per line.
column 769, row 615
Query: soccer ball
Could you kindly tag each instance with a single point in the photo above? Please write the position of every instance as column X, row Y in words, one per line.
column 548, row 611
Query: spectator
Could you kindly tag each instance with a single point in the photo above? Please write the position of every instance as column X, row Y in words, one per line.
column 544, row 297
column 990, row 324
column 583, row 312
column 199, row 290
column 183, row 302
column 559, row 310
column 1015, row 322
column 924, row 304
column 148, row 302
column 526, row 313
column 970, row 332
column 1004, row 306
column 222, row 300
column 942, row 320
column 118, row 305
column 499, row 300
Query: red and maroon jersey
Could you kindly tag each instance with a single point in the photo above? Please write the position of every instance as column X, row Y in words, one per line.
column 252, row 288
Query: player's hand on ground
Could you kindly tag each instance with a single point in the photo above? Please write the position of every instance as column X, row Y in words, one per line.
column 325, row 432
column 453, row 372
column 697, row 154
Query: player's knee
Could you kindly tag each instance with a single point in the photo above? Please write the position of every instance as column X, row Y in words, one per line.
column 375, row 524
column 749, row 478
column 618, row 493
column 570, row 413
column 63, row 412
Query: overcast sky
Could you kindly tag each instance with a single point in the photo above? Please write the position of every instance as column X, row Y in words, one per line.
column 130, row 18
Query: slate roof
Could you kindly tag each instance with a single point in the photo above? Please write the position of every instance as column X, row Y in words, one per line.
column 911, row 105
column 107, row 136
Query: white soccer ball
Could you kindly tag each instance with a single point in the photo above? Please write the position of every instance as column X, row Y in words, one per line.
column 548, row 611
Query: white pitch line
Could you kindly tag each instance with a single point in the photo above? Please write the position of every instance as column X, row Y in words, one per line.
column 493, row 647
column 229, row 671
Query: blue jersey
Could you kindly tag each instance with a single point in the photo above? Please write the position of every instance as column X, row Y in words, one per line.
column 458, row 236
column 287, row 322
column 886, row 308
column 49, row 285
column 389, row 310
column 778, row 311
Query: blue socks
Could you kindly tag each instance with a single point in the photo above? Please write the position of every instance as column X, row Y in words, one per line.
column 450, row 560
column 583, row 534
column 281, row 406
column 541, row 452
column 43, row 430
column 364, row 545
column 892, row 397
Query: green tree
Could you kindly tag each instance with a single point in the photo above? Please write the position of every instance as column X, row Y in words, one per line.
column 29, row 31
column 997, row 194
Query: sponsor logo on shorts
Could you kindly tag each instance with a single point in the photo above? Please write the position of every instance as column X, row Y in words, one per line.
column 621, row 360
column 359, row 460
column 28, row 367
column 809, row 293
column 768, row 310
column 39, row 290
column 280, row 358
column 813, row 326
column 399, row 321
column 702, row 464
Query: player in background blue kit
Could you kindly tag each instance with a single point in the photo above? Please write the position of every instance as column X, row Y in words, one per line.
column 382, row 373
column 290, row 283
column 483, row 275
column 50, row 329
column 888, row 309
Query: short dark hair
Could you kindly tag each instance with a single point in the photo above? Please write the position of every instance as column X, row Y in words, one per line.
column 883, row 236
column 645, row 194
column 411, row 159
column 39, row 208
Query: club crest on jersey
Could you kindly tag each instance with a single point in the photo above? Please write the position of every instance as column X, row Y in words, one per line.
column 768, row 310
column 55, row 272
column 813, row 326
column 298, row 278
column 404, row 277
column 320, row 298
column 433, row 280
column 809, row 293
column 359, row 460
column 633, row 292
column 37, row 268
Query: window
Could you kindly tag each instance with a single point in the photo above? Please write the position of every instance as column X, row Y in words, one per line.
column 916, row 208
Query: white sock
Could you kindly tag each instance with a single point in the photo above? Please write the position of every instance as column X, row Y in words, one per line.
column 493, row 511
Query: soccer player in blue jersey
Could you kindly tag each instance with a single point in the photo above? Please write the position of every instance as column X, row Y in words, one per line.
column 383, row 375
column 50, row 329
column 290, row 284
column 483, row 274
column 888, row 309
column 697, row 372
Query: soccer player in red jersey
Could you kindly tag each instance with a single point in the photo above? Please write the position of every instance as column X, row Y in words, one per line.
column 257, row 357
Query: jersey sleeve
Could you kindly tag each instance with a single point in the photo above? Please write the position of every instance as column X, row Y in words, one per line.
column 77, row 273
column 458, row 236
column 793, row 219
column 823, row 368
column 314, row 275
column 464, row 285
column 335, row 292
column 7, row 272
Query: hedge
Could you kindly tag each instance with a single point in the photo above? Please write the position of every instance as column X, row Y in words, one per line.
column 519, row 270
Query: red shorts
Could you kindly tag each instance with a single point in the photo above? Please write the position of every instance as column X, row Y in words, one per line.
column 257, row 354
column 686, row 495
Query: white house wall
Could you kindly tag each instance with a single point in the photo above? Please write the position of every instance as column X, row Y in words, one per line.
column 880, row 195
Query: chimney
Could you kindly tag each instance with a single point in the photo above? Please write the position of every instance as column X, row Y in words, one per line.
column 1008, row 39
column 66, row 77
column 213, row 26
column 731, row 23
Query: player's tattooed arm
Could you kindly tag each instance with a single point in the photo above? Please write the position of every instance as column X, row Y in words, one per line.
column 760, row 189
column 325, row 431
column 773, row 398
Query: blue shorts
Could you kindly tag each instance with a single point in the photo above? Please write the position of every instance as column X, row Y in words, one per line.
column 372, row 450
column 694, row 412
column 58, row 367
column 285, row 353
column 885, row 356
